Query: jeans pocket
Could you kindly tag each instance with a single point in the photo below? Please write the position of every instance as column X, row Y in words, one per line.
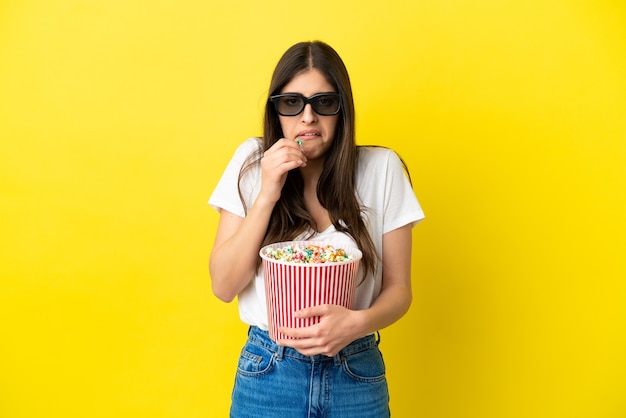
column 255, row 360
column 365, row 366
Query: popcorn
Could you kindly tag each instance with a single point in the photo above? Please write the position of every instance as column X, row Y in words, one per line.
column 309, row 254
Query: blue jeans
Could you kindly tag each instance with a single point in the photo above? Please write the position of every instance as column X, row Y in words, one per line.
column 279, row 382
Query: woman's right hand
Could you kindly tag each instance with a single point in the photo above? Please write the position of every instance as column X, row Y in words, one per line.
column 238, row 240
column 283, row 156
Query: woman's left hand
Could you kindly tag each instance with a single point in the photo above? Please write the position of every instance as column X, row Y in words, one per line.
column 336, row 329
column 339, row 326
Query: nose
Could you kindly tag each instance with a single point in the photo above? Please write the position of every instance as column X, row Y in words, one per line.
column 308, row 115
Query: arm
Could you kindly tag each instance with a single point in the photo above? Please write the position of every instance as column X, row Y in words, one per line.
column 339, row 326
column 238, row 240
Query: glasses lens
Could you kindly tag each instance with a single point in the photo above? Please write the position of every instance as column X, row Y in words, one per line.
column 292, row 104
column 289, row 105
column 325, row 104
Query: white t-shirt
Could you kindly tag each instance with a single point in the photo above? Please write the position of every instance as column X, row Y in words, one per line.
column 382, row 187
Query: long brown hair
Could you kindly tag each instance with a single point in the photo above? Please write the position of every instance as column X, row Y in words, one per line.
column 336, row 188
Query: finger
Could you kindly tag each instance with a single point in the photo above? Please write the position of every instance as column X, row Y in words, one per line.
column 281, row 163
column 282, row 144
column 285, row 153
column 299, row 334
column 285, row 144
column 318, row 310
column 308, row 346
column 308, row 350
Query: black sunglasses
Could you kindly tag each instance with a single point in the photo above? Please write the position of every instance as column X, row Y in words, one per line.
column 292, row 104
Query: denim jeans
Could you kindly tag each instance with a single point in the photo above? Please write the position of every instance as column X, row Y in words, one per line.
column 279, row 382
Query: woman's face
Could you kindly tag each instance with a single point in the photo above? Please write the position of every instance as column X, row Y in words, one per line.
column 316, row 132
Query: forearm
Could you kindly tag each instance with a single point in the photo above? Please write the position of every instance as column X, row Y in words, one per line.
column 233, row 261
column 396, row 294
column 391, row 305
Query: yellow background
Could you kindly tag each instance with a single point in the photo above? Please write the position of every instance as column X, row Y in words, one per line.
column 117, row 118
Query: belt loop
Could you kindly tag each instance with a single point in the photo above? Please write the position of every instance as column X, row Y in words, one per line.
column 377, row 337
column 337, row 359
column 280, row 352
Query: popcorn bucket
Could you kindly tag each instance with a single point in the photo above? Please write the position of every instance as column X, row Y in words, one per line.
column 291, row 286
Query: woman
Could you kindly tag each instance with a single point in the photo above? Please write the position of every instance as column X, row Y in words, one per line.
column 307, row 179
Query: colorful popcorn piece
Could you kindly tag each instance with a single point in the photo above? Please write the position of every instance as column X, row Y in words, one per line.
column 309, row 254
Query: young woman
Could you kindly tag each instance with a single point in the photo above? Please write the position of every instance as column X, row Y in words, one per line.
column 307, row 179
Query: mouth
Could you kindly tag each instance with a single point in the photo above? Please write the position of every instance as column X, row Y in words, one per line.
column 308, row 134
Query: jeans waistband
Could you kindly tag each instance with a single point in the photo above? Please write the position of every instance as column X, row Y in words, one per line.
column 262, row 338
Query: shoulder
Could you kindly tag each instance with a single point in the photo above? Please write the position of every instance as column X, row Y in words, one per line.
column 376, row 157
column 381, row 165
column 249, row 146
column 246, row 151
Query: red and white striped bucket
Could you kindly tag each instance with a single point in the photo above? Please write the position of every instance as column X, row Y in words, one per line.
column 290, row 286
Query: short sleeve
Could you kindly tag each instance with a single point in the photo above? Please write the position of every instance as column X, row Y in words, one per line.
column 400, row 203
column 226, row 193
